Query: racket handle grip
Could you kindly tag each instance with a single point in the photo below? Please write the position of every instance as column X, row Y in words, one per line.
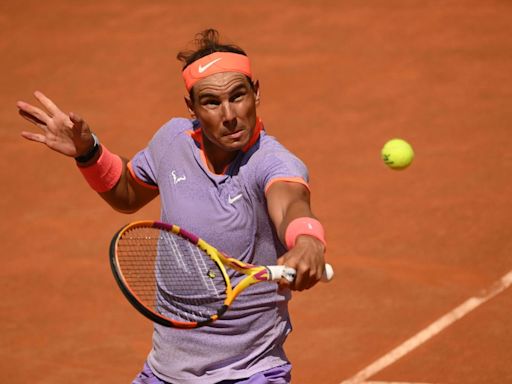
column 281, row 271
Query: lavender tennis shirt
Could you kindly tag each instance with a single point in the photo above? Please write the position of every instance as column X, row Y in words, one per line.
column 228, row 211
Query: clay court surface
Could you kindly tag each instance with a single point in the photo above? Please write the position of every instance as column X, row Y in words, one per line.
column 338, row 79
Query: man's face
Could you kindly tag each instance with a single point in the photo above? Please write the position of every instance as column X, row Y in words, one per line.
column 225, row 105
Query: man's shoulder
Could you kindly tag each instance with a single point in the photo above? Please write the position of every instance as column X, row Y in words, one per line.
column 172, row 129
column 177, row 125
column 269, row 146
column 269, row 155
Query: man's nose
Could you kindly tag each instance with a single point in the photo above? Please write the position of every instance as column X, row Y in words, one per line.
column 229, row 115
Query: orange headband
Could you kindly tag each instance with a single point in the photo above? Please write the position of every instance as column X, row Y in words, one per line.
column 215, row 63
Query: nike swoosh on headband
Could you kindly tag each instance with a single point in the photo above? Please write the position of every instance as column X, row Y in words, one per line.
column 203, row 68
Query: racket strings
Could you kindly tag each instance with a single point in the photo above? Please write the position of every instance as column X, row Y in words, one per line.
column 170, row 275
column 136, row 257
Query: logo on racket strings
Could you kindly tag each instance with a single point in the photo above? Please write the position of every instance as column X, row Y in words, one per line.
column 211, row 274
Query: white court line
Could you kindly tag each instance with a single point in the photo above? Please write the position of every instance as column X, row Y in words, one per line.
column 390, row 382
column 432, row 330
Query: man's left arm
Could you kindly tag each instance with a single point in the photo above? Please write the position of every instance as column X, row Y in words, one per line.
column 289, row 208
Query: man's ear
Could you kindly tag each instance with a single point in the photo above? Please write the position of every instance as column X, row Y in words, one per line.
column 257, row 91
column 190, row 106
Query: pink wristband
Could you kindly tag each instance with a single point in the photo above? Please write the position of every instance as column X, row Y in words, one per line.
column 303, row 226
column 103, row 175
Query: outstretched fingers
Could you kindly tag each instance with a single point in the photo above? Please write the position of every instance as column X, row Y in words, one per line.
column 63, row 133
column 34, row 120
column 50, row 106
column 33, row 114
column 37, row 137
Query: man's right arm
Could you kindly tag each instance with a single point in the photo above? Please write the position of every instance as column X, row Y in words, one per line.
column 128, row 195
column 70, row 135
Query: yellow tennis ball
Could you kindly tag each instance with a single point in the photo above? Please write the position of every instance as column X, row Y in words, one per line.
column 397, row 154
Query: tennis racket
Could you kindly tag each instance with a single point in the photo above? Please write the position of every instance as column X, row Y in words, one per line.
column 178, row 280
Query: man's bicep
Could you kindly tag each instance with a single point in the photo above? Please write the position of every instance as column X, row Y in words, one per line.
column 142, row 194
column 129, row 194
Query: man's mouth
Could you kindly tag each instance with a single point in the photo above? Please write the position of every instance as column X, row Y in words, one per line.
column 235, row 135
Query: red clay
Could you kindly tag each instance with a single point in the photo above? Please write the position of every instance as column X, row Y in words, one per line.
column 338, row 80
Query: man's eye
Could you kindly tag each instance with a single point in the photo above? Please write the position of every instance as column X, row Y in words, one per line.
column 238, row 97
column 210, row 102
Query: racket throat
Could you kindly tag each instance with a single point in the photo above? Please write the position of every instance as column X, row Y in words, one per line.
column 222, row 310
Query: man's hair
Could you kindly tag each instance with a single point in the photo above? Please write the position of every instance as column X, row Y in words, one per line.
column 208, row 42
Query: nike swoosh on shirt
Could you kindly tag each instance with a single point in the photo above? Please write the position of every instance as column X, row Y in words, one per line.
column 231, row 200
column 203, row 68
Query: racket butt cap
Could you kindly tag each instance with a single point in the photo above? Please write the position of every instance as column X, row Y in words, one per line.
column 328, row 273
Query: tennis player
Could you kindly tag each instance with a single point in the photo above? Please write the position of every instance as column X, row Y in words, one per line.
column 220, row 175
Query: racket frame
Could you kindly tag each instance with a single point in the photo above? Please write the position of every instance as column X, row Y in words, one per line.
column 254, row 274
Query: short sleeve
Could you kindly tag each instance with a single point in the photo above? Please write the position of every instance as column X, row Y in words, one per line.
column 282, row 165
column 144, row 166
column 143, row 169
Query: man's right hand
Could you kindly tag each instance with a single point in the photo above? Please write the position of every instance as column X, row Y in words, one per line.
column 69, row 134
